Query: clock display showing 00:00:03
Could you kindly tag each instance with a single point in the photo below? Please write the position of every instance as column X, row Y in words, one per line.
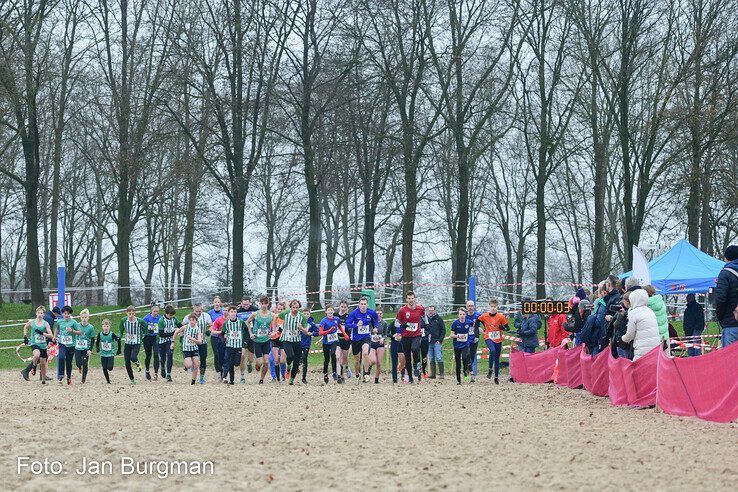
column 545, row 307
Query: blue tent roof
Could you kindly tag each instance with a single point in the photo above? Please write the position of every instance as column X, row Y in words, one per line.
column 683, row 269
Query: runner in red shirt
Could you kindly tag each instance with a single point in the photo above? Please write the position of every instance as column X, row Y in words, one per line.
column 410, row 319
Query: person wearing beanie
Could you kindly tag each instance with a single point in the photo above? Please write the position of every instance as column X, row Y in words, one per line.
column 725, row 296
column 694, row 323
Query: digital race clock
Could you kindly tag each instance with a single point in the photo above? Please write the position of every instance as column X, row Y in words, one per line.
column 545, row 307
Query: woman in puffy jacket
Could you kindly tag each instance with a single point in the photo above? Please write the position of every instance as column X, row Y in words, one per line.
column 643, row 328
column 658, row 306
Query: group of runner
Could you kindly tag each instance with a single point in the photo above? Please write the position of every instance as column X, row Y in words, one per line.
column 273, row 339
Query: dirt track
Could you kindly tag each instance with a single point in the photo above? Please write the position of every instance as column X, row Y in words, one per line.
column 432, row 436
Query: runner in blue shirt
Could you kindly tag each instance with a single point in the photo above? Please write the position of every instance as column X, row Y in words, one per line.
column 149, row 342
column 471, row 316
column 460, row 333
column 361, row 321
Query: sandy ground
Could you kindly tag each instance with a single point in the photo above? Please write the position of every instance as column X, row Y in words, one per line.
column 433, row 436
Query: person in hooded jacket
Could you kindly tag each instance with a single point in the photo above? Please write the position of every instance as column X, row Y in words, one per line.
column 725, row 296
column 658, row 306
column 694, row 323
column 620, row 326
column 643, row 328
column 529, row 326
column 556, row 332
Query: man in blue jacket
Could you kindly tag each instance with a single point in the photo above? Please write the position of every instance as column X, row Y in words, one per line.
column 725, row 296
column 528, row 331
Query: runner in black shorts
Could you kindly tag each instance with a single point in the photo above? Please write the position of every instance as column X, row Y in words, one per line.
column 344, row 344
column 40, row 334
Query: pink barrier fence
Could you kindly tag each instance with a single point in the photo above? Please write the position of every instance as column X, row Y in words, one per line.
column 595, row 373
column 533, row 368
column 570, row 371
column 704, row 386
column 631, row 383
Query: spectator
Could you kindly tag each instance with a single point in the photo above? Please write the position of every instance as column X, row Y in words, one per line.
column 620, row 326
column 643, row 328
column 588, row 335
column 694, row 323
column 725, row 296
column 529, row 326
column 658, row 306
column 581, row 294
column 51, row 316
column 556, row 333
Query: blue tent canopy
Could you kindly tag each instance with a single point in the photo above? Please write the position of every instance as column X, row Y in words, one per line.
column 683, row 269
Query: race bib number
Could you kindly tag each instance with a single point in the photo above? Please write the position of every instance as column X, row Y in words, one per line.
column 66, row 339
column 413, row 327
column 332, row 337
column 462, row 337
column 81, row 344
column 131, row 338
column 376, row 338
column 234, row 335
column 262, row 332
column 107, row 346
column 363, row 329
column 153, row 327
column 495, row 336
column 39, row 338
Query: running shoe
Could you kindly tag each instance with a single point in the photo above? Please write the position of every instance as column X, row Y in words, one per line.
column 292, row 381
column 366, row 378
column 69, row 381
column 489, row 375
column 33, row 371
column 497, row 381
column 340, row 379
column 148, row 376
column 202, row 379
column 169, row 379
column 348, row 371
column 243, row 380
column 287, row 374
column 249, row 368
column 163, row 374
column 335, row 377
column 25, row 372
column 376, row 380
column 304, row 381
column 473, row 379
column 133, row 382
column 138, row 366
column 156, row 376
column 325, row 378
column 458, row 382
column 358, row 379
column 261, row 381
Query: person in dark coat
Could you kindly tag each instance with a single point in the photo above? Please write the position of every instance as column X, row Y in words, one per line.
column 725, row 296
column 694, row 323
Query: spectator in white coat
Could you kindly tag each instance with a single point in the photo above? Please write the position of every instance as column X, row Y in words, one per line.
column 643, row 328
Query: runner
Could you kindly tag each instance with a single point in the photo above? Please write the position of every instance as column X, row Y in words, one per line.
column 132, row 331
column 83, row 343
column 40, row 334
column 494, row 324
column 67, row 326
column 104, row 346
column 410, row 317
column 234, row 331
column 168, row 324
column 471, row 315
column 436, row 332
column 204, row 322
column 294, row 323
column 216, row 340
column 360, row 323
column 344, row 344
column 460, row 333
column 259, row 324
column 243, row 313
column 278, row 357
column 305, row 342
column 329, row 330
column 149, row 342
column 192, row 338
column 376, row 349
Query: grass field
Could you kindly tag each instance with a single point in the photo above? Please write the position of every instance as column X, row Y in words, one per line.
column 9, row 359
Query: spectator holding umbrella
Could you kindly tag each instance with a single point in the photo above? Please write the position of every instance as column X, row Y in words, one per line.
column 725, row 296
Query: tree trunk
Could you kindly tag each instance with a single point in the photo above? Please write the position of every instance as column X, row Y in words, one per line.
column 239, row 211
column 189, row 237
column 462, row 225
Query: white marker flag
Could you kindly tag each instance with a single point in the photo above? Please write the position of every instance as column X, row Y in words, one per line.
column 640, row 266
